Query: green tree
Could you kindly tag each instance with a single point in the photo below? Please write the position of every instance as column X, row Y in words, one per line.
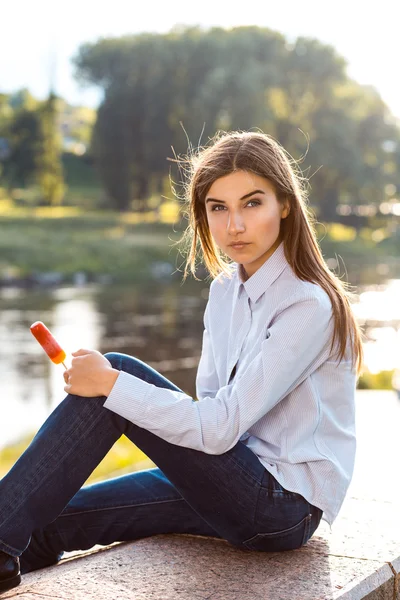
column 112, row 150
column 243, row 78
column 23, row 135
column 34, row 147
column 49, row 171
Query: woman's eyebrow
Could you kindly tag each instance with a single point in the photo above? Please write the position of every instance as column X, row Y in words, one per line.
column 242, row 198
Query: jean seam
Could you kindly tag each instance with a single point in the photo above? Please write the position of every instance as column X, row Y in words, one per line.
column 273, row 491
column 15, row 550
column 269, row 534
column 84, row 512
column 307, row 529
column 256, row 508
column 244, row 470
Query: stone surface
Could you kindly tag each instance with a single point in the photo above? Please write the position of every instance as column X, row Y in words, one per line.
column 365, row 530
column 396, row 565
column 358, row 559
column 190, row 567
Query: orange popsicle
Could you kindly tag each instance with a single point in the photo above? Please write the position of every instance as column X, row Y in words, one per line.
column 48, row 342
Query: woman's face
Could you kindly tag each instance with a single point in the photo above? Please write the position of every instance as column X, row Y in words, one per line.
column 243, row 207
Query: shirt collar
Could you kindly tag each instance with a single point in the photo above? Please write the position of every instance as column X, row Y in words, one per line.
column 260, row 281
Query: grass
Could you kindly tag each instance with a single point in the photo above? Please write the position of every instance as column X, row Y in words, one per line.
column 123, row 457
column 376, row 381
column 70, row 238
column 67, row 240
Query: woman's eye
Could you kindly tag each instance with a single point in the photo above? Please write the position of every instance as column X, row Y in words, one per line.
column 217, row 207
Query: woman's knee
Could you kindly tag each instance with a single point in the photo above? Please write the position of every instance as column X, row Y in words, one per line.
column 124, row 362
column 134, row 366
column 115, row 359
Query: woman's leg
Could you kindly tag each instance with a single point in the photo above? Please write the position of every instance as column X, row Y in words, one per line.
column 126, row 508
column 223, row 490
column 67, row 448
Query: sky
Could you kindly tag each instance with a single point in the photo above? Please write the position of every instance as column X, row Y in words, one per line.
column 35, row 36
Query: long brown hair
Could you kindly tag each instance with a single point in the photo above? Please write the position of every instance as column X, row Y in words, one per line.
column 260, row 154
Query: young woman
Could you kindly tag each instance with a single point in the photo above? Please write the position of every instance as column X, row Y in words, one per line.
column 268, row 447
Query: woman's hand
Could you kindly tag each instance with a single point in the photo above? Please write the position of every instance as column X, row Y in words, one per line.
column 90, row 374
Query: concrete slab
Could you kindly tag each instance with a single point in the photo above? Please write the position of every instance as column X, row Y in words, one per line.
column 365, row 530
column 191, row 567
column 358, row 559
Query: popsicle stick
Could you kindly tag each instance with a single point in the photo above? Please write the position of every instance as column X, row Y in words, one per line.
column 64, row 365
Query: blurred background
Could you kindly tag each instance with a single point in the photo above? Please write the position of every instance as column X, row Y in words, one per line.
column 94, row 101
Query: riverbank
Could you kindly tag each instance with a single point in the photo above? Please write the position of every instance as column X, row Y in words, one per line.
column 58, row 245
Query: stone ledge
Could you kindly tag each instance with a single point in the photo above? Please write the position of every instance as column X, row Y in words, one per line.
column 358, row 559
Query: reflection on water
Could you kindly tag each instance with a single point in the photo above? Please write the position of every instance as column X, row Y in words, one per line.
column 378, row 311
column 161, row 324
column 30, row 384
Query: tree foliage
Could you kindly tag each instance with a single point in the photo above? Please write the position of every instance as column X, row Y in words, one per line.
column 33, row 145
column 166, row 93
column 158, row 89
column 49, row 172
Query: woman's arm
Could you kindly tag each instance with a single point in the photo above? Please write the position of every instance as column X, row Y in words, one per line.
column 298, row 343
column 207, row 382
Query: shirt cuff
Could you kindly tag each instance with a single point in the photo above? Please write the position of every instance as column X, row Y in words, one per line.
column 128, row 397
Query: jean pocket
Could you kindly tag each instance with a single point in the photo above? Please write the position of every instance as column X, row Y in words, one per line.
column 286, row 539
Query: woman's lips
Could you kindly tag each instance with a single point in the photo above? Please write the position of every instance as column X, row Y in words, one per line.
column 239, row 246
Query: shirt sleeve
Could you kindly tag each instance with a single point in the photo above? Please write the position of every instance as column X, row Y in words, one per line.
column 297, row 343
column 207, row 382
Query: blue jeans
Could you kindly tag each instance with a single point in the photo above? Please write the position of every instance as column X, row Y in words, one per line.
column 44, row 510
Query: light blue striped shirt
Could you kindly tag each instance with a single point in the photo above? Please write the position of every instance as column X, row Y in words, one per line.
column 288, row 400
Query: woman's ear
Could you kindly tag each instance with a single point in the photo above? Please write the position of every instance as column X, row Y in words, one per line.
column 285, row 210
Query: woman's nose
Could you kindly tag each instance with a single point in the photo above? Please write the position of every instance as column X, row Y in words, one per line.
column 235, row 223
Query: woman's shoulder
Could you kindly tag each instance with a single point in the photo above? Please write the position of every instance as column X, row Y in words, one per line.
column 223, row 282
column 293, row 289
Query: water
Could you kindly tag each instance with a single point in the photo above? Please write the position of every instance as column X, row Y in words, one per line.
column 159, row 323
column 378, row 312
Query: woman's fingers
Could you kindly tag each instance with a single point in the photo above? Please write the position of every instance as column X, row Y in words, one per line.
column 82, row 352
